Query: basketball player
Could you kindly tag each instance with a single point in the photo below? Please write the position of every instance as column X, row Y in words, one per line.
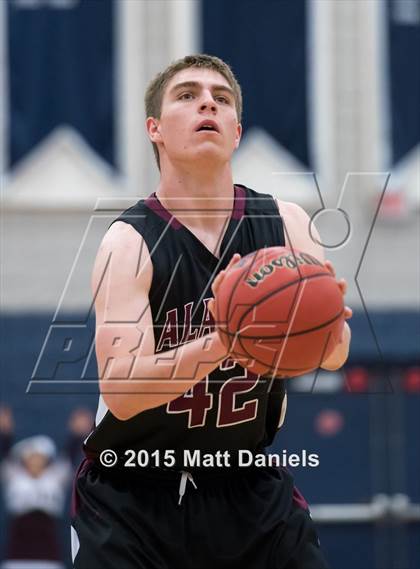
column 168, row 386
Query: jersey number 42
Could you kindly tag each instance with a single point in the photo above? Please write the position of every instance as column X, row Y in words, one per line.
column 198, row 401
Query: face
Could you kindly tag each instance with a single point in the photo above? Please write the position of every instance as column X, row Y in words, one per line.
column 35, row 463
column 198, row 122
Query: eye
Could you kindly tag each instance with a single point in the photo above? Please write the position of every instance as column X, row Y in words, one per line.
column 222, row 99
column 185, row 96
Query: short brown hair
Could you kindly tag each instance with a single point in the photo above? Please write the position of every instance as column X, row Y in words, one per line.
column 156, row 88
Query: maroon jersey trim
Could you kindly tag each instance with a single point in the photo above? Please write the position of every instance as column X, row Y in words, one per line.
column 153, row 203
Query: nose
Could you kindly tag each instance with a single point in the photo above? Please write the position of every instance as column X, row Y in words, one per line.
column 208, row 103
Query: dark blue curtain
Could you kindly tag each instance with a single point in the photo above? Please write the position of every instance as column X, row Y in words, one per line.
column 61, row 71
column 265, row 42
column 404, row 74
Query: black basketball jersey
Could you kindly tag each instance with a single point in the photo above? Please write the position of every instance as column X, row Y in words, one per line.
column 231, row 408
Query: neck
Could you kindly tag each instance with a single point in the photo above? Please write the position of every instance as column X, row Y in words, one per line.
column 183, row 190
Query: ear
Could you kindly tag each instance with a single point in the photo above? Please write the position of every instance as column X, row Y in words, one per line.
column 238, row 135
column 152, row 126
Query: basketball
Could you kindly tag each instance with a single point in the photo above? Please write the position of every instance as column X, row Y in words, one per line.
column 280, row 312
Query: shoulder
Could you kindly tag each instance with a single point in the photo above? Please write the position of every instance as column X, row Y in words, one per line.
column 295, row 217
column 121, row 234
column 121, row 239
column 301, row 232
column 292, row 211
column 123, row 248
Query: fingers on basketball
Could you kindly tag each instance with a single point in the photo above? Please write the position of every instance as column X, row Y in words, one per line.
column 219, row 278
column 342, row 283
column 330, row 267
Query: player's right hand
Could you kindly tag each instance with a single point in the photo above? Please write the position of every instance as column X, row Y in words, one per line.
column 218, row 281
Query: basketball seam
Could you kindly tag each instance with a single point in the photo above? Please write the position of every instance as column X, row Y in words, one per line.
column 251, row 357
column 287, row 335
column 284, row 287
column 269, row 367
column 246, row 269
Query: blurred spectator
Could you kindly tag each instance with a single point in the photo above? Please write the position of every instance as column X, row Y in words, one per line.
column 79, row 425
column 35, row 480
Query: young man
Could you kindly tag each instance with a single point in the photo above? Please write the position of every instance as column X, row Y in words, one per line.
column 169, row 390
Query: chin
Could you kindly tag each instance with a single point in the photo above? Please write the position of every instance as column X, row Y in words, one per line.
column 203, row 155
column 211, row 153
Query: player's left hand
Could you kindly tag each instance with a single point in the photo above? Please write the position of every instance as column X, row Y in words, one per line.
column 342, row 283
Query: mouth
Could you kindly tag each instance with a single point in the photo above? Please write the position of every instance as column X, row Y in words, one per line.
column 207, row 126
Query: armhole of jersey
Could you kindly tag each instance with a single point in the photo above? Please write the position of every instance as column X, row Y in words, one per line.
column 270, row 208
column 283, row 411
column 101, row 412
column 275, row 206
column 143, row 231
column 276, row 211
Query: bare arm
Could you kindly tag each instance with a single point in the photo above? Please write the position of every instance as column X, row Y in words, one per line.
column 303, row 235
column 132, row 377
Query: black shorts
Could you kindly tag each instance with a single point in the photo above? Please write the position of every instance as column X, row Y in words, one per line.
column 246, row 519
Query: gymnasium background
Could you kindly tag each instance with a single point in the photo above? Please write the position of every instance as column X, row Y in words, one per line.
column 332, row 121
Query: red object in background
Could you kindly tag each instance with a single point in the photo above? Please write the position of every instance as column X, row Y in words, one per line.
column 329, row 422
column 411, row 380
column 357, row 380
column 394, row 205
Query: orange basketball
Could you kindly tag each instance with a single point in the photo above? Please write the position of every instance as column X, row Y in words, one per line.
column 280, row 312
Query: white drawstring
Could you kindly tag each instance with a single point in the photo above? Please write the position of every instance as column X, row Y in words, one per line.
column 185, row 476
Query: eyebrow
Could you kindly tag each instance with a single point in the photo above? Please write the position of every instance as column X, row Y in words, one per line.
column 195, row 84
